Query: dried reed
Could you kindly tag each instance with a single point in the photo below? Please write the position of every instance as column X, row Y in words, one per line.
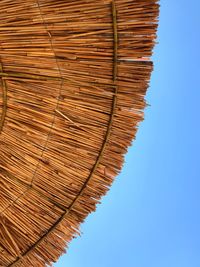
column 73, row 79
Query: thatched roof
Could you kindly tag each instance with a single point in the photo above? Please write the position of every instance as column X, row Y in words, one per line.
column 72, row 83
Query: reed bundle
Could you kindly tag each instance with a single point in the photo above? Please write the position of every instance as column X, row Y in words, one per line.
column 73, row 76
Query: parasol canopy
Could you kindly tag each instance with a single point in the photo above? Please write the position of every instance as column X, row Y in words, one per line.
column 73, row 76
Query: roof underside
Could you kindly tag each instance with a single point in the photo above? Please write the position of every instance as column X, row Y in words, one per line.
column 73, row 76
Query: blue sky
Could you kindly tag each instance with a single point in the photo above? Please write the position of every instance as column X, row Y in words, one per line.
column 151, row 216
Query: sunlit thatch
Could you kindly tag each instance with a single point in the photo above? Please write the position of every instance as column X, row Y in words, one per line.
column 73, row 79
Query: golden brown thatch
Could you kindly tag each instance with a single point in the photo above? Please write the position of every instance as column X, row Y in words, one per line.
column 73, row 79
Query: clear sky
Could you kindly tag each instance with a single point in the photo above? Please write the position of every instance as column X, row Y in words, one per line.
column 151, row 216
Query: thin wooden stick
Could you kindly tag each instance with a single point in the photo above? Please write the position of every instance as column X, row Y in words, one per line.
column 4, row 96
column 67, row 118
column 13, row 243
column 115, row 34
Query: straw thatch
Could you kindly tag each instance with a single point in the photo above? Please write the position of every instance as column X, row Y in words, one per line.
column 73, row 79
